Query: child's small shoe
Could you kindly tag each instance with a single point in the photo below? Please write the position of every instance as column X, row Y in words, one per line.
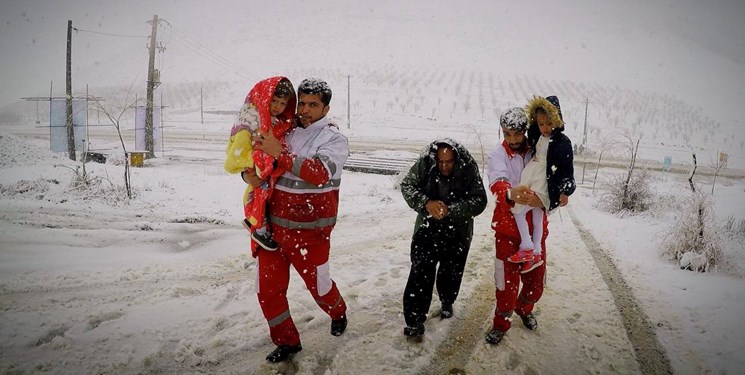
column 531, row 265
column 265, row 241
column 523, row 255
column 246, row 225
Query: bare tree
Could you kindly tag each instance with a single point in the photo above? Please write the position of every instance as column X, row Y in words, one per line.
column 699, row 242
column 692, row 172
column 114, row 112
column 718, row 164
column 633, row 149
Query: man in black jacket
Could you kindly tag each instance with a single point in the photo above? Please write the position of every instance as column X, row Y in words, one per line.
column 445, row 188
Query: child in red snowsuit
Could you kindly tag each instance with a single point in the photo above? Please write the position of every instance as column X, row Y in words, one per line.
column 269, row 106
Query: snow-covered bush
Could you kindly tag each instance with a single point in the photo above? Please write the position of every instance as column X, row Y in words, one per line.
column 100, row 189
column 617, row 197
column 694, row 240
column 87, row 187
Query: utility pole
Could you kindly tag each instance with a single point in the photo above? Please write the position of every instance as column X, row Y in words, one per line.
column 584, row 133
column 161, row 123
column 150, row 87
column 349, row 122
column 70, row 132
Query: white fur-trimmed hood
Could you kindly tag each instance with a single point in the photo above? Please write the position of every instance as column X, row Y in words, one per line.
column 541, row 102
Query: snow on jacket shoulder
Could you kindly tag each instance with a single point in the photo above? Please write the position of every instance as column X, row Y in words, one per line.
column 468, row 198
column 306, row 196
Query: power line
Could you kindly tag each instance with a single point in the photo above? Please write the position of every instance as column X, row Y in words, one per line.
column 209, row 56
column 161, row 60
column 203, row 50
column 109, row 34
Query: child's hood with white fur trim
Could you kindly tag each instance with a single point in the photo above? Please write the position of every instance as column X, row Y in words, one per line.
column 552, row 110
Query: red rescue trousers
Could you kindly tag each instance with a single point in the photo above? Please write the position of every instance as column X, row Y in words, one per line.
column 307, row 250
column 507, row 279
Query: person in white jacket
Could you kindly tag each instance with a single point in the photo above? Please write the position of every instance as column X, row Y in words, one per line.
column 302, row 212
column 516, row 292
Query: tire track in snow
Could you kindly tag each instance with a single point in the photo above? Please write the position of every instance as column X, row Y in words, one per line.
column 650, row 354
column 455, row 351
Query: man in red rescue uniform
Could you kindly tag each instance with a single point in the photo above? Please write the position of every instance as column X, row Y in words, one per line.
column 302, row 212
column 505, row 165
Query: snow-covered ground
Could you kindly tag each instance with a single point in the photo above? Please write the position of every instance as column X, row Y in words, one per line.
column 93, row 283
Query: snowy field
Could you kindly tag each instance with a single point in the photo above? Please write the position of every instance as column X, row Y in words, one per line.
column 93, row 283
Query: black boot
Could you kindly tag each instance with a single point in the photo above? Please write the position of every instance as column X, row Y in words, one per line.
column 529, row 321
column 414, row 331
column 446, row 311
column 283, row 352
column 339, row 326
column 494, row 337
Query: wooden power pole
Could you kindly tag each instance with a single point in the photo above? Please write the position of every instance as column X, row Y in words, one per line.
column 70, row 131
column 150, row 87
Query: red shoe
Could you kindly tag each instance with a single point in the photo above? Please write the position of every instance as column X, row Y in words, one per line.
column 532, row 264
column 523, row 255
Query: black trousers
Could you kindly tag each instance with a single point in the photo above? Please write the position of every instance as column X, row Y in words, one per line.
column 431, row 246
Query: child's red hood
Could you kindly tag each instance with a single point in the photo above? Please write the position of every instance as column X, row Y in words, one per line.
column 261, row 97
